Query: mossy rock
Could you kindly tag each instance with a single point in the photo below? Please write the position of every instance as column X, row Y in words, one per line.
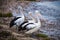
column 41, row 35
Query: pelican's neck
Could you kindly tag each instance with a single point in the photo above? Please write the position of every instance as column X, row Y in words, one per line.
column 20, row 11
column 30, row 14
column 37, row 18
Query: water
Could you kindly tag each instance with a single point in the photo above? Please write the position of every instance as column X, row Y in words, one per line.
column 51, row 12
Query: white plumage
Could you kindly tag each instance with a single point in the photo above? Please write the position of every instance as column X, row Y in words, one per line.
column 32, row 20
column 32, row 25
column 19, row 16
column 36, row 25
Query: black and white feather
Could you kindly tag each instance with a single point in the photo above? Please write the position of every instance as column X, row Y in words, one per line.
column 19, row 21
column 35, row 26
column 19, row 16
column 31, row 25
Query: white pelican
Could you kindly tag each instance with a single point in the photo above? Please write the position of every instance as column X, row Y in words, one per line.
column 19, row 17
column 36, row 25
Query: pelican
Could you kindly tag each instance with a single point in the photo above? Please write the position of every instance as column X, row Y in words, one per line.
column 27, row 22
column 31, row 25
column 19, row 17
column 36, row 25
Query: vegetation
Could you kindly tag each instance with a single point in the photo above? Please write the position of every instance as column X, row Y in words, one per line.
column 6, row 15
column 5, row 35
column 41, row 35
column 45, row 37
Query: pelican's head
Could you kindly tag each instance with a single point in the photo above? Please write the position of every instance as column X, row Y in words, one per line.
column 37, row 13
column 19, row 7
column 30, row 13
